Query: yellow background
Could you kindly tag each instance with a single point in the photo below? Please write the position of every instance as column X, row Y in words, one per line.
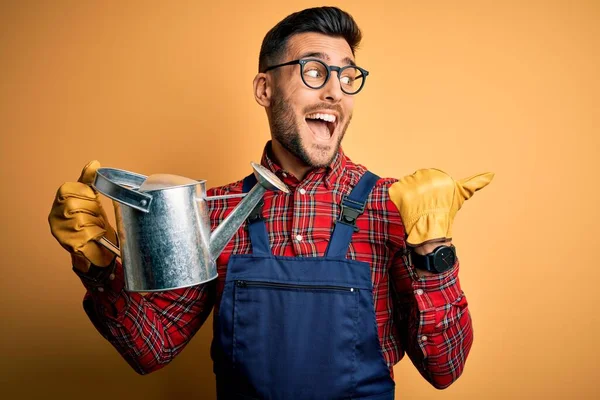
column 509, row 87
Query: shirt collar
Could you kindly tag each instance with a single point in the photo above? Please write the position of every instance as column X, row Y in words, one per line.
column 328, row 175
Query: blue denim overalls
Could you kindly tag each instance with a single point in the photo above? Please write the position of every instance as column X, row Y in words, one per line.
column 300, row 327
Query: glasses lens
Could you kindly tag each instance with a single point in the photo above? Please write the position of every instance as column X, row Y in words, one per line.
column 315, row 74
column 351, row 79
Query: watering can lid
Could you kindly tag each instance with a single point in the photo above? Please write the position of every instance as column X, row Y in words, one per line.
column 165, row 181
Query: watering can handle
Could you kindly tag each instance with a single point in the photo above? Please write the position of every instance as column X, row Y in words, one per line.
column 112, row 247
column 113, row 183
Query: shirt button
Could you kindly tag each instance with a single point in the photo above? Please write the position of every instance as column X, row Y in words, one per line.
column 284, row 174
column 101, row 289
column 419, row 291
column 299, row 238
column 111, row 277
column 302, row 191
column 423, row 338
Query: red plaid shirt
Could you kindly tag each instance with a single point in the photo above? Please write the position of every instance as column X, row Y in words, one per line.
column 425, row 317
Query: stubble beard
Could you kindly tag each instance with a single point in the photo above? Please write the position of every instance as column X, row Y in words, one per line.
column 286, row 131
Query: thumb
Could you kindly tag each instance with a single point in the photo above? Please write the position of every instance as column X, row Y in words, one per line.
column 470, row 185
column 88, row 174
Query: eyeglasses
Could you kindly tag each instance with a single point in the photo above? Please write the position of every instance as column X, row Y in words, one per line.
column 315, row 74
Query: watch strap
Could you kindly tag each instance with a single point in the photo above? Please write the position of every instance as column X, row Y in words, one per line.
column 424, row 262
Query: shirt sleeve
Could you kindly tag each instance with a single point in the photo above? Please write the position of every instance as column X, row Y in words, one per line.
column 148, row 330
column 436, row 327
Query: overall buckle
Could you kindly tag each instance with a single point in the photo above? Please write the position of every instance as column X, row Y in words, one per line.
column 351, row 210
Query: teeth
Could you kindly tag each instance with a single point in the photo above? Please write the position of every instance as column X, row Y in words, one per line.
column 324, row 117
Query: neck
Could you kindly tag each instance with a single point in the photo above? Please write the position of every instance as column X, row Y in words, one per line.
column 288, row 161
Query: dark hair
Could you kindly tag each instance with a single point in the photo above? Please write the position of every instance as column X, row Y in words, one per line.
column 329, row 21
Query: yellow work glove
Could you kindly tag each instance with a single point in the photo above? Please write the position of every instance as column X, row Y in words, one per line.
column 77, row 220
column 428, row 201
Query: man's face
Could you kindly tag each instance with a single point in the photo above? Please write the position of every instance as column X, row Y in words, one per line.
column 310, row 123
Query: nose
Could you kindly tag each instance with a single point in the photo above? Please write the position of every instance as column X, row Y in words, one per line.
column 332, row 91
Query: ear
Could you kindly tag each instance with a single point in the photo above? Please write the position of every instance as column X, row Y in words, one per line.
column 262, row 89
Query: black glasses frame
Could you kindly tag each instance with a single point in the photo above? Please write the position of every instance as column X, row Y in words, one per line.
column 329, row 68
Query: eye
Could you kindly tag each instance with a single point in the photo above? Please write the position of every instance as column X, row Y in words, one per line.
column 346, row 80
column 313, row 73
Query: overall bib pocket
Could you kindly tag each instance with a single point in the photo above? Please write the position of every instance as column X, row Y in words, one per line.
column 295, row 337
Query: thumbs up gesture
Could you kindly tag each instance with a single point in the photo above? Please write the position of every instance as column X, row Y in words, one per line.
column 428, row 201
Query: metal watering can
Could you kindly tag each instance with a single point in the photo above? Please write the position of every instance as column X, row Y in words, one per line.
column 163, row 226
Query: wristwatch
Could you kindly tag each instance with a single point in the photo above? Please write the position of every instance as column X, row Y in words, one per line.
column 441, row 259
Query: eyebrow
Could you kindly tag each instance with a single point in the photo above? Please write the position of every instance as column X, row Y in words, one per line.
column 346, row 60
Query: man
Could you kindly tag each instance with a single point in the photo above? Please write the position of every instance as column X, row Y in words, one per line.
column 325, row 288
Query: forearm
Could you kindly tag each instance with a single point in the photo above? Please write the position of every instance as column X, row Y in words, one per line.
column 147, row 330
column 433, row 310
column 440, row 331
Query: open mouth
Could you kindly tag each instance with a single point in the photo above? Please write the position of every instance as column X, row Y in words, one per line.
column 322, row 125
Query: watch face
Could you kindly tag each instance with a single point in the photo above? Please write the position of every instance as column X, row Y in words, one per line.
column 444, row 258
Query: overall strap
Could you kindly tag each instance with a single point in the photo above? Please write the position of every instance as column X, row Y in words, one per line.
column 353, row 205
column 256, row 224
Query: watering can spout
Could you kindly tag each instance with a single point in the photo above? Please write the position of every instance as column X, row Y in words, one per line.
column 227, row 229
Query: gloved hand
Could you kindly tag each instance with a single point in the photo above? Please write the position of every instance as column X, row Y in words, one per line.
column 77, row 220
column 428, row 201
